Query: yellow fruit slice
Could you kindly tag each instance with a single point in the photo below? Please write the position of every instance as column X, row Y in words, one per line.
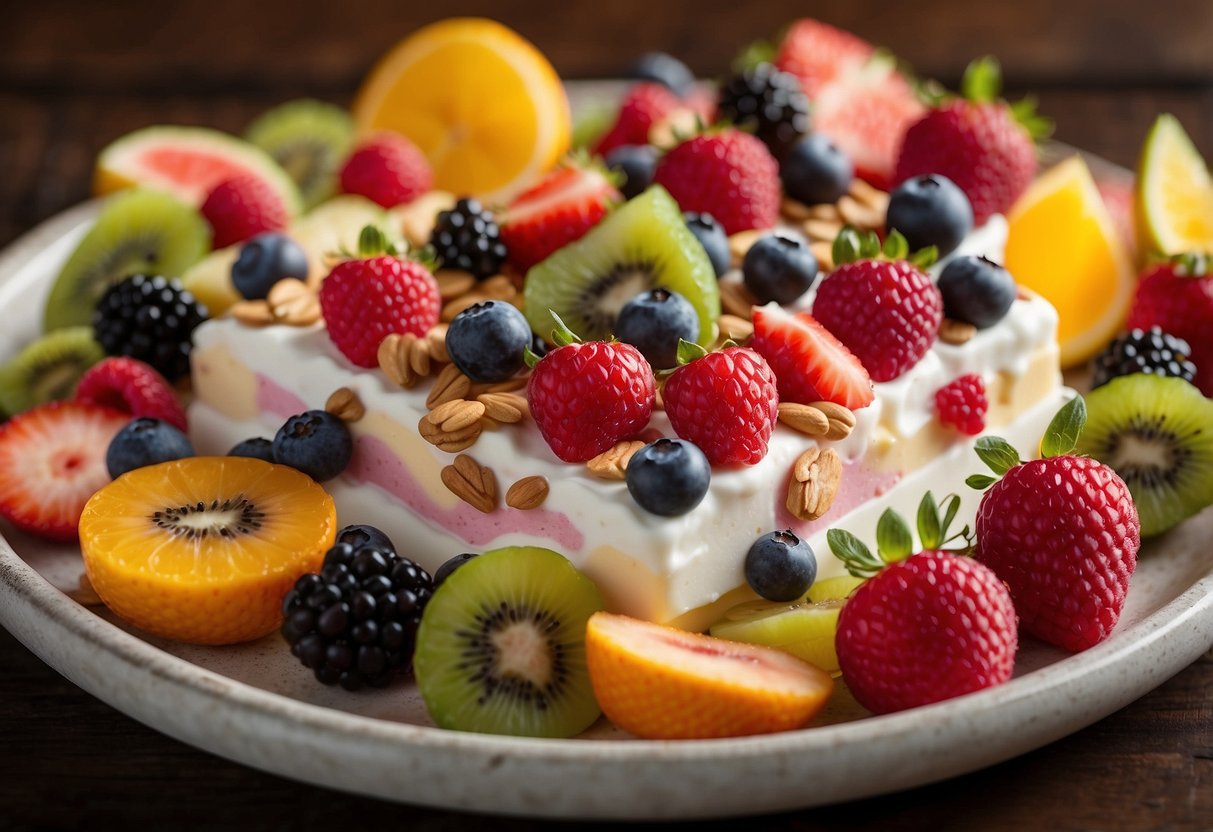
column 482, row 103
column 204, row 549
column 1174, row 192
column 1063, row 245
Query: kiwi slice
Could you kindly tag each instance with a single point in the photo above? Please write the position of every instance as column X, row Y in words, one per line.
column 48, row 369
column 138, row 232
column 501, row 646
column 803, row 628
column 309, row 139
column 1156, row 432
column 641, row 245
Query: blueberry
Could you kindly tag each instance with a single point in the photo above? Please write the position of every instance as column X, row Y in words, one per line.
column 256, row 448
column 143, row 442
column 815, row 171
column 930, row 211
column 780, row 566
column 976, row 290
column 636, row 163
column 487, row 340
column 711, row 236
column 666, row 70
column 450, row 566
column 654, row 321
column 779, row 267
column 264, row 260
column 362, row 536
column 668, row 477
column 316, row 443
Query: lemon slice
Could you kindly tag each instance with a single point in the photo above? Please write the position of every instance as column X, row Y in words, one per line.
column 1063, row 245
column 1174, row 192
column 482, row 103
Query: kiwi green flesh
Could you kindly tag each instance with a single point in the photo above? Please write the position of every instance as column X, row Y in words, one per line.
column 643, row 244
column 1157, row 433
column 777, row 624
column 309, row 139
column 47, row 369
column 501, row 646
column 138, row 232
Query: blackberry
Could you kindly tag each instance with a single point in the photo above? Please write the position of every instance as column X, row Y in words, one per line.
column 768, row 101
column 355, row 623
column 151, row 319
column 467, row 237
column 1144, row 351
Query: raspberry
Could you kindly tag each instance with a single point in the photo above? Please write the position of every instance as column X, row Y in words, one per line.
column 646, row 104
column 886, row 313
column 131, row 386
column 586, row 397
column 364, row 301
column 1178, row 296
column 242, row 207
column 962, row 403
column 387, row 169
column 724, row 402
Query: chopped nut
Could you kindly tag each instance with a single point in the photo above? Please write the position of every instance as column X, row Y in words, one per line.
column 822, row 230
column 509, row 408
column 455, row 415
column 510, row 385
column 733, row 328
column 737, row 299
column 465, row 301
column 859, row 215
column 252, row 312
column 870, row 196
column 453, row 282
column 612, row 463
column 816, row 476
column 740, row 243
column 498, row 287
column 400, row 357
column 801, row 417
column 293, row 302
column 471, row 482
column 527, row 493
column 794, row 209
column 956, row 332
column 450, row 384
column 449, row 441
column 842, row 420
column 435, row 342
column 826, row 211
column 345, row 405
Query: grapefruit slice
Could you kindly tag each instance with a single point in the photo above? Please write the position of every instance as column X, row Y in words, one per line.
column 188, row 162
column 1174, row 192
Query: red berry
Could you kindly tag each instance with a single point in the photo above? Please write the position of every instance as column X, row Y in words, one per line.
column 565, row 205
column 1062, row 533
column 586, row 397
column 1181, row 303
column 133, row 387
column 728, row 174
column 809, row 363
column 925, row 629
column 387, row 169
column 817, row 54
column 724, row 402
column 364, row 301
column 887, row 313
column 644, row 105
column 52, row 459
column 242, row 207
column 962, row 403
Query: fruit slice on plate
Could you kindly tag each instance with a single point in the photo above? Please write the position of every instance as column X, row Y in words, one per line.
column 188, row 162
column 203, row 549
column 1063, row 245
column 500, row 649
column 309, row 140
column 482, row 103
column 47, row 369
column 661, row 683
column 1174, row 192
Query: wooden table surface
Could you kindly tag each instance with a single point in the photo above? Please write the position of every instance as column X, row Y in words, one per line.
column 75, row 76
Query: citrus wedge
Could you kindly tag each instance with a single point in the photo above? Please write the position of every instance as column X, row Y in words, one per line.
column 1174, row 192
column 1063, row 245
column 482, row 103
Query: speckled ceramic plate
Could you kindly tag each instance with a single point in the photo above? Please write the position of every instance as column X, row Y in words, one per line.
column 256, row 705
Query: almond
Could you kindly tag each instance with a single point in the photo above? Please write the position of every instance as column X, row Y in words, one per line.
column 252, row 312
column 842, row 420
column 345, row 405
column 794, row 209
column 455, row 415
column 814, row 484
column 453, row 282
column 450, row 384
column 612, row 463
column 471, row 482
column 449, row 441
column 860, row 215
column 823, row 231
column 509, row 408
column 737, row 299
column 741, row 242
column 956, row 332
column 801, row 417
column 397, row 361
column 435, row 342
column 734, row 328
column 527, row 493
column 293, row 302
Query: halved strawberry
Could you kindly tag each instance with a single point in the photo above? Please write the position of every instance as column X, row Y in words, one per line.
column 818, row 53
column 132, row 386
column 565, row 204
column 644, row 105
column 810, row 364
column 52, row 459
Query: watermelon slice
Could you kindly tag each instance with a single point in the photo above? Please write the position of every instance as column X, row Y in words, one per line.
column 187, row 162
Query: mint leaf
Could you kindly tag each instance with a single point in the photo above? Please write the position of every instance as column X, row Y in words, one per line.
column 929, row 530
column 997, row 453
column 951, row 505
column 857, row 557
column 1061, row 437
column 893, row 539
column 980, row 481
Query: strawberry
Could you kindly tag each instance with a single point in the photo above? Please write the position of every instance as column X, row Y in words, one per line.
column 1177, row 295
column 1061, row 532
column 365, row 300
column 725, row 402
column 926, row 627
column 809, row 363
column 818, row 54
column 52, row 459
column 962, row 403
column 565, row 204
column 644, row 105
column 726, row 173
column 887, row 312
column 242, row 207
column 587, row 396
column 981, row 143
column 387, row 169
column 133, row 387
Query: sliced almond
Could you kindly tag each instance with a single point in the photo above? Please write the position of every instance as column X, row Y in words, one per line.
column 252, row 312
column 842, row 420
column 814, row 484
column 471, row 482
column 454, row 282
column 345, row 405
column 956, row 332
column 807, row 420
column 508, row 408
column 450, row 384
column 612, row 464
column 455, row 415
column 741, row 242
column 737, row 299
column 527, row 493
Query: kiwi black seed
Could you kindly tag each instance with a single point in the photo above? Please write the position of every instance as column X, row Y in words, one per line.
column 501, row 647
column 1156, row 432
column 309, row 139
column 137, row 232
column 48, row 368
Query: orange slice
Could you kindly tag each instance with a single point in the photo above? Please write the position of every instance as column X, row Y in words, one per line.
column 1063, row 245
column 482, row 103
column 1174, row 192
